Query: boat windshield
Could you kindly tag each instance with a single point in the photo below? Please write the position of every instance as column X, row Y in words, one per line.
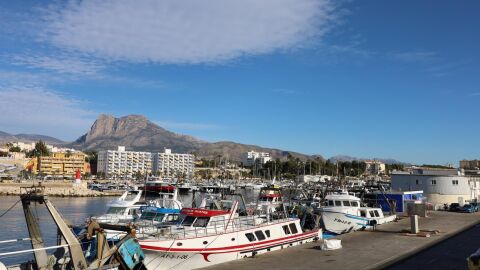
column 201, row 222
column 152, row 216
column 266, row 199
column 188, row 221
column 195, row 221
column 116, row 210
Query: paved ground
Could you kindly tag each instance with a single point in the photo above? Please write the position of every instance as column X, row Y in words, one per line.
column 367, row 249
column 449, row 254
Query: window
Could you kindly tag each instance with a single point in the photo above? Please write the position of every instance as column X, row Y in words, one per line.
column 338, row 203
column 116, row 210
column 363, row 213
column 434, row 182
column 355, row 204
column 260, row 235
column 250, row 237
column 372, row 214
column 330, row 203
column 285, row 229
column 376, row 213
column 293, row 228
column 455, row 182
column 346, row 203
column 418, row 182
column 267, row 232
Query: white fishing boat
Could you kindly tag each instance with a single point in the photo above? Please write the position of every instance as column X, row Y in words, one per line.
column 207, row 237
column 122, row 210
column 343, row 213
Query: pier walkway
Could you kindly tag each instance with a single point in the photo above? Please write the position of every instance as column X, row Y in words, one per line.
column 367, row 249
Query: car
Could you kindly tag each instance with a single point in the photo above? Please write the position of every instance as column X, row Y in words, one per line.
column 454, row 207
column 468, row 208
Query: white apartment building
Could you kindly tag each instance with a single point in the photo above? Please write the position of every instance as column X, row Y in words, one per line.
column 170, row 164
column 121, row 163
column 374, row 167
column 251, row 158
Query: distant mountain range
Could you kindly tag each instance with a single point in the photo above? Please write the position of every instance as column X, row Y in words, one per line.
column 137, row 133
column 6, row 137
column 340, row 158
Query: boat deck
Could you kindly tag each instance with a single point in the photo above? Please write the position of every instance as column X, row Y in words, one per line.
column 364, row 249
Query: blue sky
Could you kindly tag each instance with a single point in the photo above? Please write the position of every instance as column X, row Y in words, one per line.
column 396, row 79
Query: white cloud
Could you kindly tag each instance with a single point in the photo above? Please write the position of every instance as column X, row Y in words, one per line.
column 186, row 31
column 60, row 63
column 187, row 126
column 37, row 110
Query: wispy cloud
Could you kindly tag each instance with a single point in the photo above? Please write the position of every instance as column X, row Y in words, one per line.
column 38, row 110
column 187, row 125
column 63, row 63
column 186, row 31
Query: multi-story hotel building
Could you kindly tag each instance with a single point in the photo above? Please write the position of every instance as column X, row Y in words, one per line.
column 66, row 164
column 170, row 164
column 123, row 163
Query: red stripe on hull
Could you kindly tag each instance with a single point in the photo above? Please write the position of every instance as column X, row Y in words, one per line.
column 238, row 247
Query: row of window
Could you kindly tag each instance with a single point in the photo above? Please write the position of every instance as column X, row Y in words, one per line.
column 345, row 203
column 434, row 182
column 259, row 235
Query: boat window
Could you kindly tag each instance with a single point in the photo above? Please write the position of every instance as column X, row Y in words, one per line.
column 346, row 203
column 188, row 221
column 260, row 235
column 330, row 203
column 201, row 222
column 250, row 237
column 285, row 229
column 355, row 204
column 172, row 217
column 148, row 215
column 267, row 232
column 132, row 212
column 363, row 213
column 293, row 228
column 116, row 210
column 159, row 217
column 338, row 203
column 372, row 214
column 376, row 213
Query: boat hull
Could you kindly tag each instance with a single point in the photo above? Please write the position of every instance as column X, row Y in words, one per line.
column 225, row 247
column 339, row 223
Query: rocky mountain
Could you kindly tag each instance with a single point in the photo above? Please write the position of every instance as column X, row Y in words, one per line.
column 138, row 133
column 6, row 137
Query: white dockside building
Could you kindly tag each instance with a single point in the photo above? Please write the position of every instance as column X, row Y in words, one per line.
column 121, row 163
column 440, row 186
column 170, row 164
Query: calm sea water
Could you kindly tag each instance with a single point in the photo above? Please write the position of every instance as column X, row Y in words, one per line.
column 76, row 210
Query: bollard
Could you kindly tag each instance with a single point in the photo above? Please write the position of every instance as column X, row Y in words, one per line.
column 414, row 224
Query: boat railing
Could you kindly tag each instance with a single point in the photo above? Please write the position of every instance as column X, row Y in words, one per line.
column 214, row 227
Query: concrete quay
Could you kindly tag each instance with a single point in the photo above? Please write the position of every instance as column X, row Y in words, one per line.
column 56, row 189
column 387, row 246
